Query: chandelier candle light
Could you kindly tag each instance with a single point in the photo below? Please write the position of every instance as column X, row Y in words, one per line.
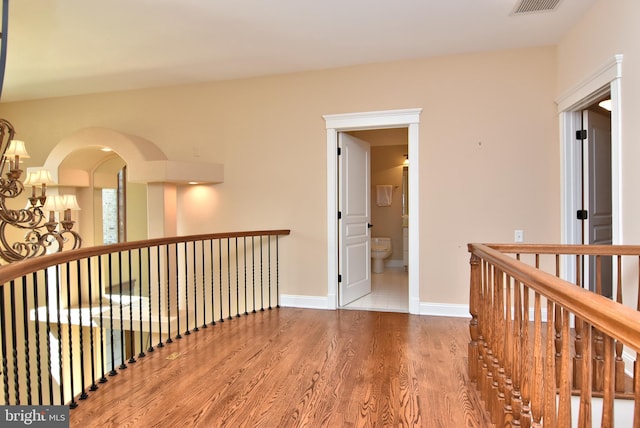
column 43, row 234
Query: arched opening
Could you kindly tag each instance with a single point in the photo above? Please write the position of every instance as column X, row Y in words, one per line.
column 80, row 165
column 112, row 208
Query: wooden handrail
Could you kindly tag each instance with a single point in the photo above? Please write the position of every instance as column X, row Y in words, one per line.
column 16, row 270
column 587, row 250
column 614, row 319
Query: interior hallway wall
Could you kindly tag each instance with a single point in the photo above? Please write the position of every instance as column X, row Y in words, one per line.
column 489, row 158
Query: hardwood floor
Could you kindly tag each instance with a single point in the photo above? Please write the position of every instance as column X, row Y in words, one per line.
column 298, row 368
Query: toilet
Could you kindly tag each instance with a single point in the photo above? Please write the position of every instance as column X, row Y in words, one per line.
column 380, row 250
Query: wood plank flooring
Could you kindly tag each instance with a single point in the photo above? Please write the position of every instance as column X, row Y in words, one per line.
column 298, row 368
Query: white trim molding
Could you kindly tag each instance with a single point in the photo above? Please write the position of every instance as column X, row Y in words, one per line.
column 573, row 98
column 378, row 119
column 606, row 79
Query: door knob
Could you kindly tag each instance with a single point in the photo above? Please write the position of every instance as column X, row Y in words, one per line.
column 369, row 225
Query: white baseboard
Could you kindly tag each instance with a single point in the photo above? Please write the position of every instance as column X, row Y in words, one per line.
column 322, row 302
column 308, row 302
column 459, row 311
column 444, row 310
column 629, row 358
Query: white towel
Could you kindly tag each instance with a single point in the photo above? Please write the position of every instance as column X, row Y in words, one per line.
column 384, row 193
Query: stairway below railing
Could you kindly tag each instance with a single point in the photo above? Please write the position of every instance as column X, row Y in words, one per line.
column 537, row 340
column 71, row 320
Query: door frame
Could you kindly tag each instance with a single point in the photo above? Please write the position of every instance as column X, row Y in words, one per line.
column 335, row 123
column 570, row 105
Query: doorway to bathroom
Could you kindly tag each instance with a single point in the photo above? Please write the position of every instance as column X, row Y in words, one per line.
column 388, row 199
column 347, row 122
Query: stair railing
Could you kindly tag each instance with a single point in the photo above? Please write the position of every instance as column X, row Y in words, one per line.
column 538, row 340
column 69, row 321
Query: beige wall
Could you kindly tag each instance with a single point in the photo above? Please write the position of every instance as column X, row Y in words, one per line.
column 489, row 157
column 611, row 28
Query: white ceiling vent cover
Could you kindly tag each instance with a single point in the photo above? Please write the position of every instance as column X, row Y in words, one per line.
column 534, row 6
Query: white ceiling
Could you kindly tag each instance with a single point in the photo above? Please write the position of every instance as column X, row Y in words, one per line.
column 66, row 47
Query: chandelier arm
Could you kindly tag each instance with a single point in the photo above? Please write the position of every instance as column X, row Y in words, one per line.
column 30, row 219
column 73, row 237
column 47, row 242
column 10, row 188
column 35, row 245
column 23, row 219
column 11, row 253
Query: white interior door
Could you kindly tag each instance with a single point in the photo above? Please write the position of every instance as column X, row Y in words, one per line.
column 355, row 213
column 598, row 226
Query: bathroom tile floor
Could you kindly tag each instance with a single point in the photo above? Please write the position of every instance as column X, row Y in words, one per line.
column 389, row 292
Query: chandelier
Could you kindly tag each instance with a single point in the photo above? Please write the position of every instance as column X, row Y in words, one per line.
column 42, row 233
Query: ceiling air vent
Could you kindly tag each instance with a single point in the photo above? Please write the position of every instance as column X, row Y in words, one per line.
column 534, row 6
